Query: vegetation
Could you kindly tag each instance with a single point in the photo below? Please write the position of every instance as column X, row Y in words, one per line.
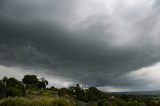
column 32, row 91
column 41, row 101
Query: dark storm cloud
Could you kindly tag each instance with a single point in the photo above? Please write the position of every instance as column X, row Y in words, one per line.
column 98, row 50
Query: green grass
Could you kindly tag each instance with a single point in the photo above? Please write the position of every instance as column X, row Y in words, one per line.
column 42, row 92
column 37, row 101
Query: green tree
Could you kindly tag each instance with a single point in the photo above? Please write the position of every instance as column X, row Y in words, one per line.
column 15, row 88
column 42, row 83
column 52, row 88
column 2, row 90
column 93, row 94
column 12, row 82
column 80, row 93
column 63, row 91
column 72, row 90
column 1, row 83
column 5, row 79
column 30, row 80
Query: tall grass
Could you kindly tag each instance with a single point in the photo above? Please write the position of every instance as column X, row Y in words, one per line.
column 39, row 101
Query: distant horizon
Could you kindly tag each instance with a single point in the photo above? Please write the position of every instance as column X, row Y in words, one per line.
column 109, row 90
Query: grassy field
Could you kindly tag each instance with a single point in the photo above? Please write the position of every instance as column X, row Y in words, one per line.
column 51, row 98
column 37, row 101
column 38, row 98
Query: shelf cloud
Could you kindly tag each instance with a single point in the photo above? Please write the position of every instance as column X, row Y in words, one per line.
column 95, row 43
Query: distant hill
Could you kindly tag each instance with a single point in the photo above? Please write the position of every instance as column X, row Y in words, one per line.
column 154, row 93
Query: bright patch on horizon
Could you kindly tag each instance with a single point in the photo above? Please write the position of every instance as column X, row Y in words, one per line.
column 147, row 76
column 18, row 73
column 114, row 89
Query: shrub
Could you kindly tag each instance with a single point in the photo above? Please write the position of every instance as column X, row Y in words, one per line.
column 104, row 102
column 17, row 90
column 92, row 103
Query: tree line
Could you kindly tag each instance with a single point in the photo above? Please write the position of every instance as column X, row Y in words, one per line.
column 11, row 87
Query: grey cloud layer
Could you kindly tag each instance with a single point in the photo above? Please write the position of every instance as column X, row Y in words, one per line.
column 98, row 48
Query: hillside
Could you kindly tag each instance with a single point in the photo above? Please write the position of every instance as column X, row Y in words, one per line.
column 32, row 91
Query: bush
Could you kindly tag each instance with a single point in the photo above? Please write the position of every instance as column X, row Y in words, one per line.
column 92, row 103
column 17, row 90
column 13, row 92
column 104, row 102
column 132, row 103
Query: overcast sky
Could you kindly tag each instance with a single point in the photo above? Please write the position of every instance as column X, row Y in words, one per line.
column 110, row 44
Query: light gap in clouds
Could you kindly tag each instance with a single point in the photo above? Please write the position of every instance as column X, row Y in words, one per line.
column 147, row 76
column 18, row 73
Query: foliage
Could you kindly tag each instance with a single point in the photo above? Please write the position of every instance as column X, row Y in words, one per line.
column 52, row 88
column 42, row 84
column 62, row 92
column 93, row 94
column 104, row 102
column 30, row 80
column 12, row 91
column 92, row 103
column 5, row 79
column 80, row 93
column 2, row 90
column 1, row 83
column 15, row 88
column 11, row 82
